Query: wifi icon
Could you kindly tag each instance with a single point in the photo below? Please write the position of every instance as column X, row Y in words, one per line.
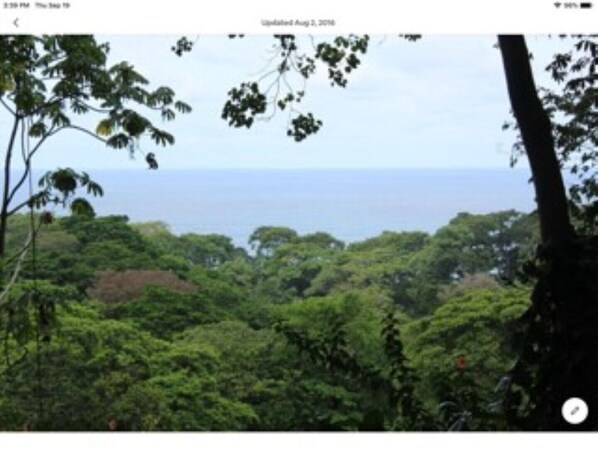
column 558, row 4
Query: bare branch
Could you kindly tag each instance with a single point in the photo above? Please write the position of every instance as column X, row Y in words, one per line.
column 5, row 193
column 27, row 162
column 275, row 54
column 313, row 42
column 94, row 109
column 276, row 82
column 83, row 130
column 17, row 208
column 8, row 108
column 286, row 82
column 274, row 101
column 267, row 74
column 21, row 259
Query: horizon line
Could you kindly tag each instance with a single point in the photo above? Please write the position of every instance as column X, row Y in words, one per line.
column 276, row 168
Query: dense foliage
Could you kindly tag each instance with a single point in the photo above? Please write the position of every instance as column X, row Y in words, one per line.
column 48, row 84
column 129, row 327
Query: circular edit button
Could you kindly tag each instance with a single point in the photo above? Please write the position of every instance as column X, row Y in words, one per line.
column 575, row 411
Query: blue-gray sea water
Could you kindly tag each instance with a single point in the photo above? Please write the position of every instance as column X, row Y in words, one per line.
column 351, row 205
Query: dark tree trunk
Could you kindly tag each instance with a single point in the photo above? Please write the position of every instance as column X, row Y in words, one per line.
column 559, row 345
column 6, row 192
column 536, row 132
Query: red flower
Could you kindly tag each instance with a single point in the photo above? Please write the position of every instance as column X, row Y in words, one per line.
column 461, row 363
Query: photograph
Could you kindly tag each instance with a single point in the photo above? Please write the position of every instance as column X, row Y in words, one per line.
column 325, row 232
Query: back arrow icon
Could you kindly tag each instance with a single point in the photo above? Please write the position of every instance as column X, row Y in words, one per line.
column 16, row 22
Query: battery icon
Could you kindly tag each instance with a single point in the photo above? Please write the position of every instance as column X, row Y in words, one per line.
column 585, row 5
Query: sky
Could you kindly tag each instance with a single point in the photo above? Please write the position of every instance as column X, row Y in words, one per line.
column 436, row 103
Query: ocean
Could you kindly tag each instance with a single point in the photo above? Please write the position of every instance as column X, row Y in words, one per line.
column 351, row 205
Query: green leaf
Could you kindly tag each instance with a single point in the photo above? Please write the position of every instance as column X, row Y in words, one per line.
column 182, row 107
column 81, row 207
column 162, row 137
column 168, row 114
column 95, row 189
column 64, row 180
column 119, row 141
column 134, row 124
column 37, row 129
column 104, row 128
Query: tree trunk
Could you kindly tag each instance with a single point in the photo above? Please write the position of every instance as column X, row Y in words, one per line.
column 6, row 192
column 536, row 132
column 559, row 346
